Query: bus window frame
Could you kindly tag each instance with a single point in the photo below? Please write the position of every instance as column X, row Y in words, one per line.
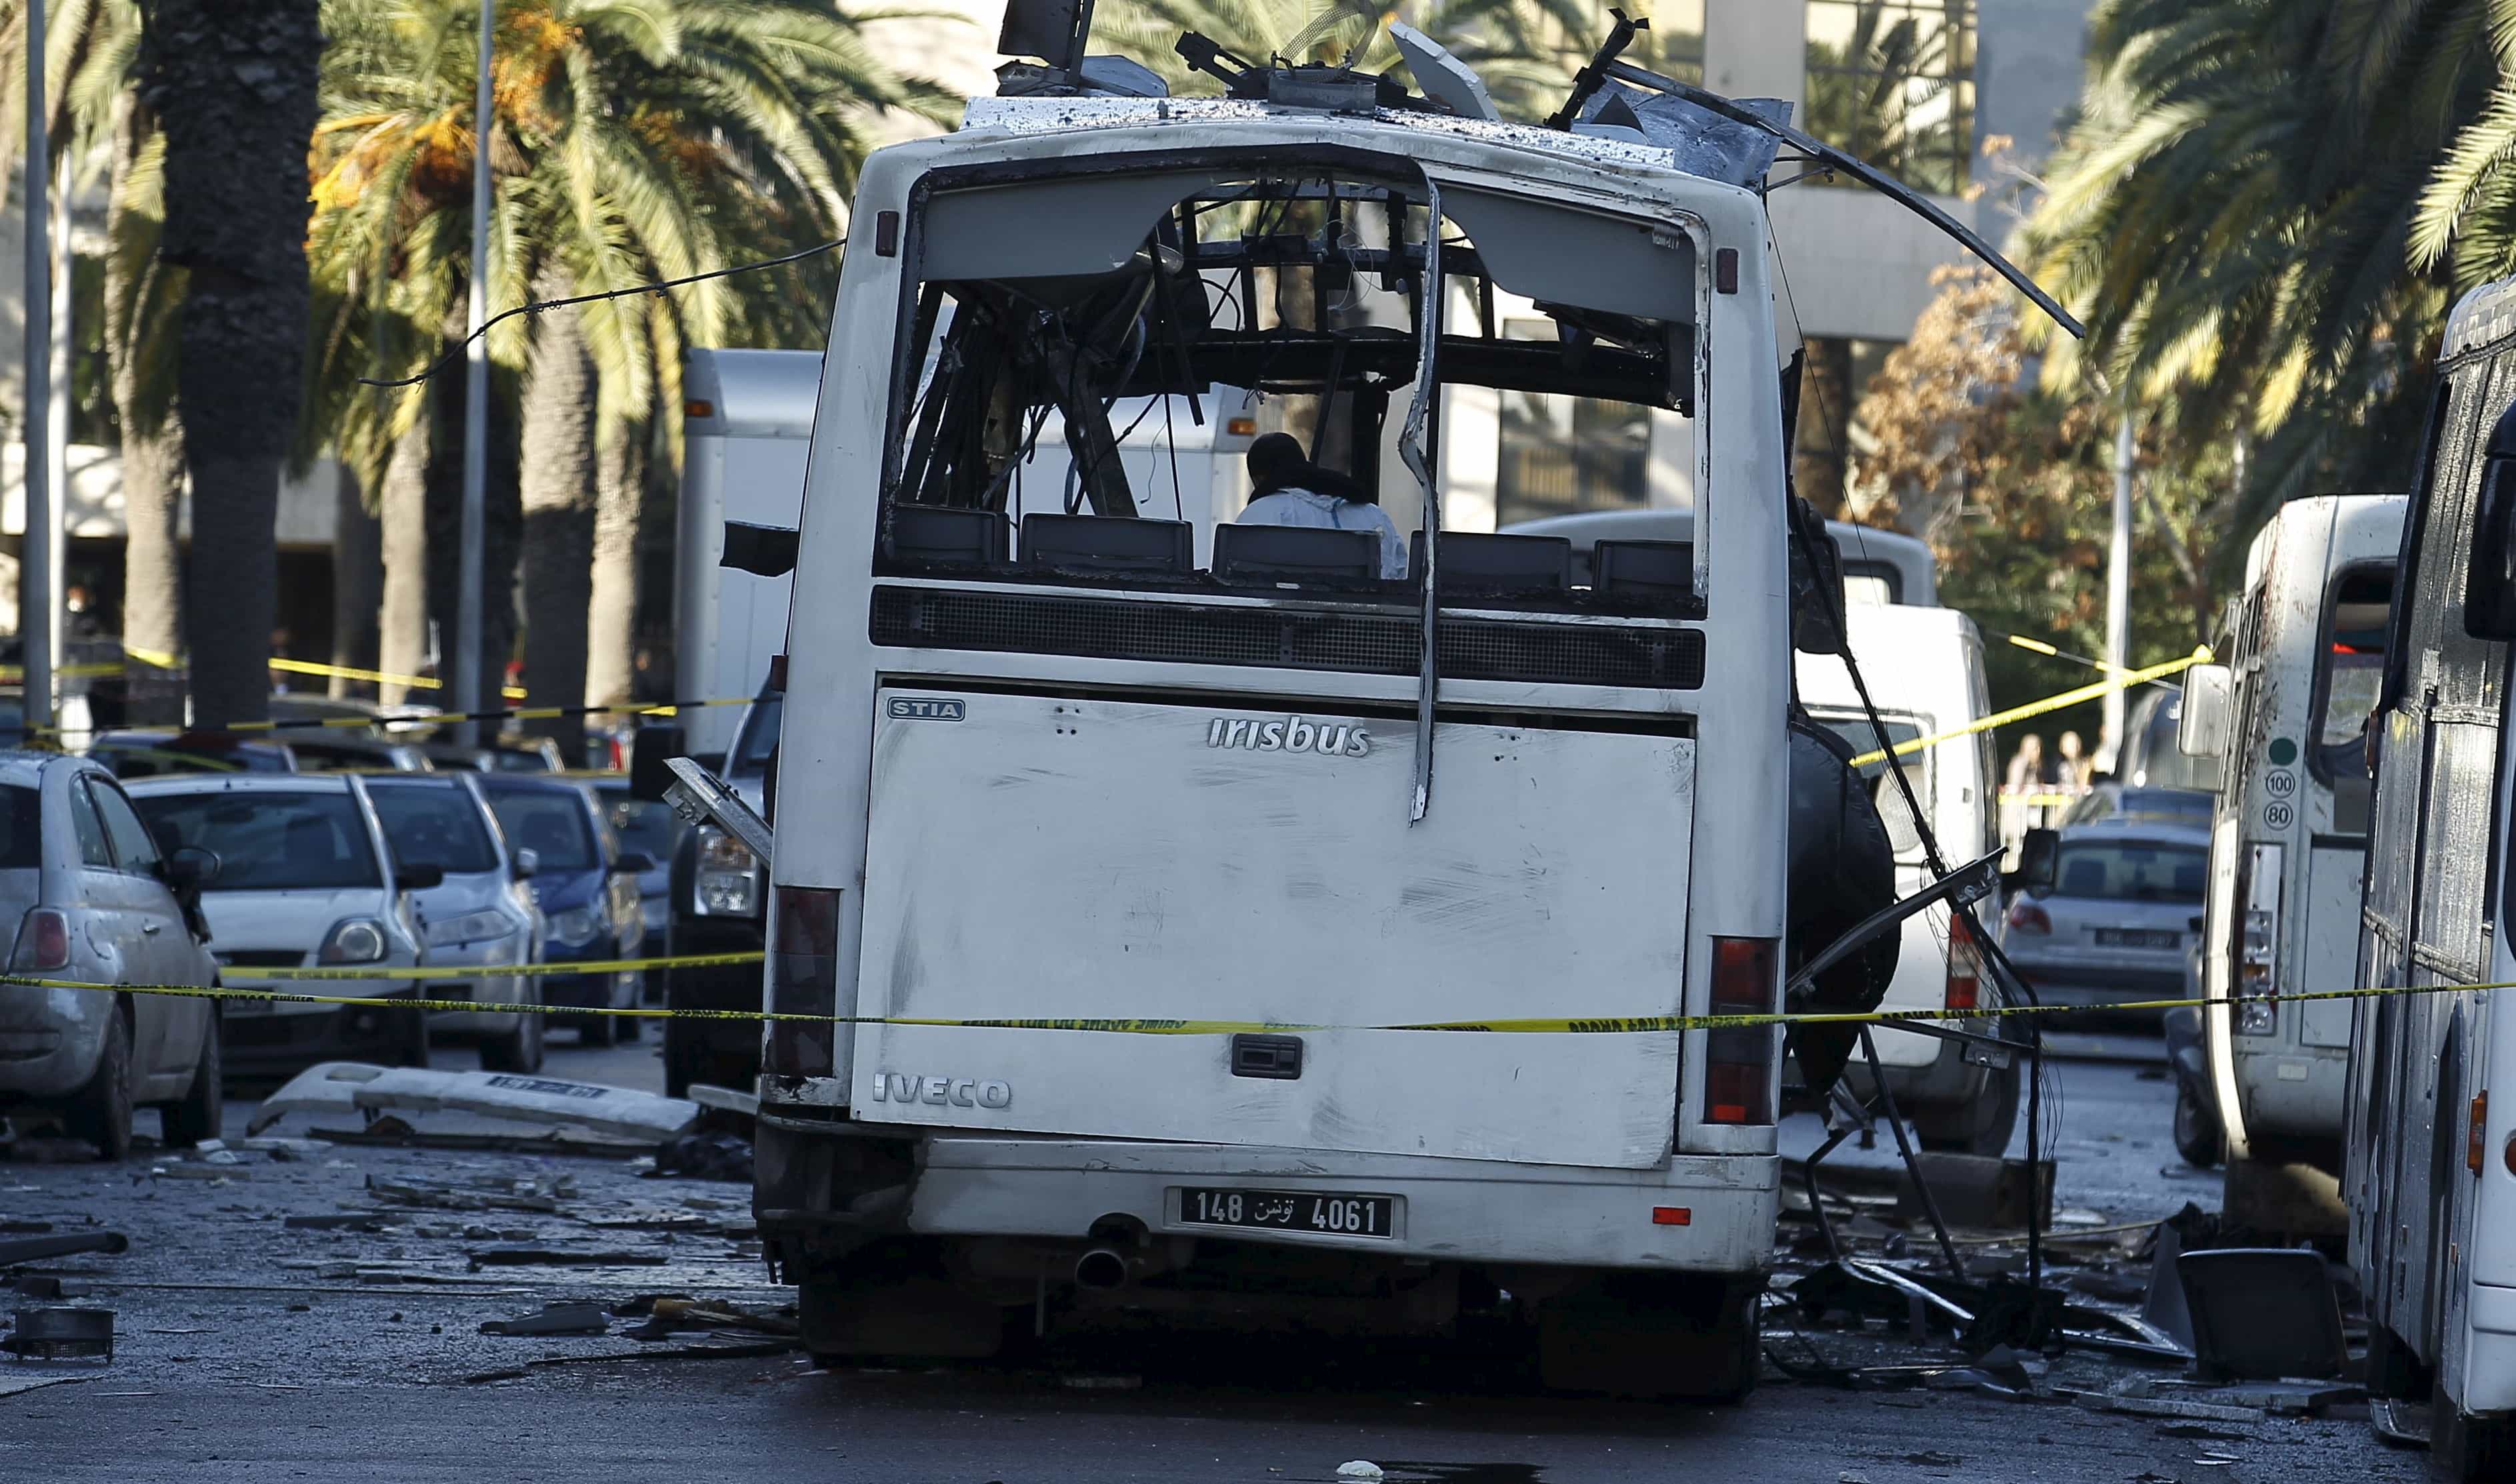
column 2320, row 689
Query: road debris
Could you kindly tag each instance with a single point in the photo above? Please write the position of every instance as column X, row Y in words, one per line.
column 1359, row 1468
column 529, row 1193
column 554, row 1319
column 544, row 1256
column 2262, row 1313
column 37, row 1248
column 361, row 1087
column 62, row 1333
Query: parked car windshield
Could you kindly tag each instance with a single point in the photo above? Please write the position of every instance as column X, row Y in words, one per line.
column 645, row 826
column 434, row 825
column 551, row 822
column 21, row 829
column 756, row 737
column 268, row 841
column 2131, row 870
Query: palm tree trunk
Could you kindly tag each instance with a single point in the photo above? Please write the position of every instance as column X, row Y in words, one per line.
column 357, row 540
column 558, row 501
column 612, row 615
column 233, row 85
column 402, row 617
column 152, row 459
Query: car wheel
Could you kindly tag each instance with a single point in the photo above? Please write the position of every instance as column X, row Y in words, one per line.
column 101, row 1113
column 683, row 1055
column 201, row 1112
column 410, row 1037
column 598, row 1030
column 518, row 1050
column 2197, row 1134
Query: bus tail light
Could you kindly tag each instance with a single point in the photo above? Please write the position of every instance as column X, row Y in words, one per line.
column 1739, row 1060
column 1965, row 967
column 2475, row 1150
column 2257, row 941
column 803, row 980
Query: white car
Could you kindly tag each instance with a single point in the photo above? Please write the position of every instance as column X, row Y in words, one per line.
column 481, row 915
column 304, row 881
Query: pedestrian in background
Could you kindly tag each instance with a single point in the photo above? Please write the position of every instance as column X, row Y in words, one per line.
column 2026, row 764
column 2077, row 770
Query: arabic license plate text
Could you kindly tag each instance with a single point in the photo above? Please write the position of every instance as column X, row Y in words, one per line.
column 2139, row 937
column 1289, row 1210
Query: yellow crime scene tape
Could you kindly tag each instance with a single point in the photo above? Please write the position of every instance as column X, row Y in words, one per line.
column 2072, row 697
column 1548, row 1025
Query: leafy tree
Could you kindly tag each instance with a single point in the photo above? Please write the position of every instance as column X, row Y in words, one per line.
column 1889, row 93
column 2467, row 217
column 2013, row 485
column 2232, row 216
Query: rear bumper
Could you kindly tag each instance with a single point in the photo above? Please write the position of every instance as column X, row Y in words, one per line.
column 807, row 1183
column 50, row 1040
column 2098, row 990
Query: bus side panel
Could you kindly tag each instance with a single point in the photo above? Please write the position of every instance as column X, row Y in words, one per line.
column 2335, row 877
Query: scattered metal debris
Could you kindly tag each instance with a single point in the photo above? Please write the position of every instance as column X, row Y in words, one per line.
column 2262, row 1313
column 357, row 1086
column 554, row 1319
column 62, row 1333
column 543, row 1257
column 37, row 1248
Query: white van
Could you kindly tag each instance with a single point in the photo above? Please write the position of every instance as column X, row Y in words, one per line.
column 1147, row 876
column 1925, row 665
column 2429, row 1162
column 2287, row 713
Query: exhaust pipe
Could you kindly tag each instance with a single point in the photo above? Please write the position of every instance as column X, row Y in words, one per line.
column 1102, row 1267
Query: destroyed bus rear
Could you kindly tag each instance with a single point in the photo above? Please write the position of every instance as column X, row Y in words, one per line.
column 1134, row 892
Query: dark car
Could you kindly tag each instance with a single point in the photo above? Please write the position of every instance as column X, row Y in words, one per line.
column 152, row 754
column 719, row 899
column 330, row 751
column 507, row 755
column 649, row 828
column 587, row 887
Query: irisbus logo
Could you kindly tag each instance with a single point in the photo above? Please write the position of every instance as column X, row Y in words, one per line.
column 927, row 709
column 1291, row 735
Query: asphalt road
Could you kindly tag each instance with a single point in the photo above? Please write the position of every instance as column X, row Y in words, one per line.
column 250, row 1351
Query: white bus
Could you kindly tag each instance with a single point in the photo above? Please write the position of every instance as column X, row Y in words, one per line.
column 1060, row 771
column 2429, row 1167
column 1924, row 666
column 2286, row 715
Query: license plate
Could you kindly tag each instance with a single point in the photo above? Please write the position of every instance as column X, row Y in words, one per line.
column 1290, row 1210
column 2138, row 937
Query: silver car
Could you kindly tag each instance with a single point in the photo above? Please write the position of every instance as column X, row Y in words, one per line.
column 480, row 916
column 2106, row 912
column 96, row 901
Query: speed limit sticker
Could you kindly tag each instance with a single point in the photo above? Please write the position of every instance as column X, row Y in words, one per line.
column 2279, row 815
column 2280, row 785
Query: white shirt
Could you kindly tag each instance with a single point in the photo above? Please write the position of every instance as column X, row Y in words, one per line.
column 1325, row 512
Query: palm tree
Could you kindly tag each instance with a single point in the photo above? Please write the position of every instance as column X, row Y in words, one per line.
column 2232, row 216
column 2467, row 219
column 232, row 84
column 636, row 140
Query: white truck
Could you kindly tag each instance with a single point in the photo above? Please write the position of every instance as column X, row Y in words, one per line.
column 2429, row 1162
column 2285, row 716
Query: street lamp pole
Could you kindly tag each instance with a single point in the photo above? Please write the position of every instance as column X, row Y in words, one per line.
column 2109, row 742
column 471, row 691
column 37, row 611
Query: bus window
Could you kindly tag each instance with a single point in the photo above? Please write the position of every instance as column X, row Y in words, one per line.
column 2350, row 671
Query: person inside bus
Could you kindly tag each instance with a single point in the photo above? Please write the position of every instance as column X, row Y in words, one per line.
column 1286, row 488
